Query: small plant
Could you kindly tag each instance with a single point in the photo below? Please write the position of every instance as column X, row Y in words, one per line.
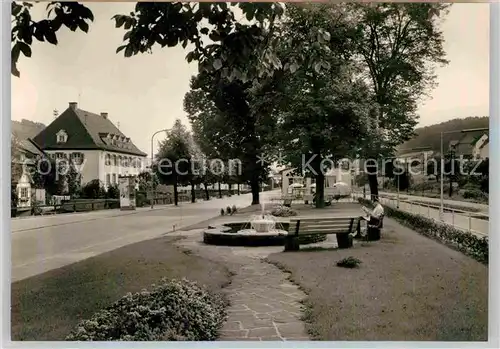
column 222, row 212
column 349, row 262
column 228, row 210
column 234, row 209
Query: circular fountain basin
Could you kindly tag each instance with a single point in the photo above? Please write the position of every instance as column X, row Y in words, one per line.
column 239, row 234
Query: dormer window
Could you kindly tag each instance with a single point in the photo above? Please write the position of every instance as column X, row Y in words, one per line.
column 62, row 136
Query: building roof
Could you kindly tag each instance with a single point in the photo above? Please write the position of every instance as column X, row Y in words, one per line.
column 86, row 131
column 486, row 142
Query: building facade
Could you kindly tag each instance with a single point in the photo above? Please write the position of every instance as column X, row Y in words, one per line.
column 97, row 148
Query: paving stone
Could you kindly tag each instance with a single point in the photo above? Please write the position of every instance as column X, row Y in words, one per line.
column 263, row 332
column 272, row 338
column 232, row 326
column 233, row 333
column 291, row 329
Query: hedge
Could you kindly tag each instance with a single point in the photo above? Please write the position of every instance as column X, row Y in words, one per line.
column 176, row 310
column 463, row 241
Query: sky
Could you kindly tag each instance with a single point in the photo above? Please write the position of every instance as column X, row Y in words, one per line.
column 144, row 93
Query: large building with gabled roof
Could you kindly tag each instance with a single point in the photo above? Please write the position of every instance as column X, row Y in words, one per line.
column 93, row 143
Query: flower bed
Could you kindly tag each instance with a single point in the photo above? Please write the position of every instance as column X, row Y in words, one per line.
column 173, row 311
column 466, row 242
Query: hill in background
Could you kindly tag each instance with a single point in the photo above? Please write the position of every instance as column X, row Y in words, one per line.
column 429, row 136
column 25, row 129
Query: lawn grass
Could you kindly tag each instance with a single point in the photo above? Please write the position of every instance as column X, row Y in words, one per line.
column 48, row 306
column 407, row 288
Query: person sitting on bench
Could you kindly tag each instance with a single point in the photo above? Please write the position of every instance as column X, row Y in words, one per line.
column 374, row 216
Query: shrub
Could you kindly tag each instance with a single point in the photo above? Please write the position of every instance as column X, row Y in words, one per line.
column 141, row 199
column 234, row 209
column 473, row 194
column 113, row 192
column 464, row 241
column 222, row 212
column 93, row 190
column 228, row 210
column 175, row 310
column 283, row 211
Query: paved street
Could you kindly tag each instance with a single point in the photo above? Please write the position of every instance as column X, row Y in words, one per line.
column 40, row 244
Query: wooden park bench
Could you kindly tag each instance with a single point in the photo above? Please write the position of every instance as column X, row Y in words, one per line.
column 341, row 226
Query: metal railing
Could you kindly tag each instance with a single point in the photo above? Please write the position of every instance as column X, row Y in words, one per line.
column 473, row 222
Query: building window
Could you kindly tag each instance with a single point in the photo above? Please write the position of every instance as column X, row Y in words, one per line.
column 108, row 180
column 24, row 193
column 77, row 158
column 115, row 161
column 60, row 156
column 108, row 160
column 61, row 136
column 114, row 178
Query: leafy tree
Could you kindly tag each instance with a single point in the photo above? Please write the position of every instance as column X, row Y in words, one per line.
column 174, row 159
column 219, row 110
column 205, row 27
column 25, row 30
column 322, row 107
column 46, row 175
column 73, row 178
column 16, row 169
column 146, row 179
column 399, row 45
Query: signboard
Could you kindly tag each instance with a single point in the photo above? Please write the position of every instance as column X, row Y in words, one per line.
column 126, row 185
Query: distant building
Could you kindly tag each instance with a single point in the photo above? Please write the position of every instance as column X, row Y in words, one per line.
column 469, row 145
column 93, row 143
column 24, row 152
column 481, row 148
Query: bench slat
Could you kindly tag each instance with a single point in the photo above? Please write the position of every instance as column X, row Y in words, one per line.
column 325, row 224
column 325, row 227
column 324, row 231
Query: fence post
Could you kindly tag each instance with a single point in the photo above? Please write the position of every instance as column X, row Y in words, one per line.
column 453, row 217
column 92, row 206
column 428, row 210
column 470, row 222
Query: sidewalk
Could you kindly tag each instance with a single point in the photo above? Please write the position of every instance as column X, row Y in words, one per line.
column 264, row 304
column 484, row 208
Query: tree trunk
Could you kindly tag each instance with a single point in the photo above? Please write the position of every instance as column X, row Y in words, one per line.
column 372, row 181
column 238, row 188
column 207, row 195
column 176, row 194
column 255, row 187
column 320, row 189
column 450, row 193
column 220, row 191
column 193, row 193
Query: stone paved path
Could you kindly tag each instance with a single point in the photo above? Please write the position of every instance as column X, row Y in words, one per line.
column 264, row 305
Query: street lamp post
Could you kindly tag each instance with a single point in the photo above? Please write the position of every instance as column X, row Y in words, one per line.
column 441, row 199
column 151, row 165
